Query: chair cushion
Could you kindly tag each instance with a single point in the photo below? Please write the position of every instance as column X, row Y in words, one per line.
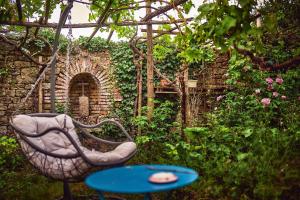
column 121, row 151
column 28, row 125
column 57, row 142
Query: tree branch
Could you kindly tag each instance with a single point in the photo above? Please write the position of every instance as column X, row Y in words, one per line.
column 263, row 65
column 101, row 19
column 132, row 44
column 18, row 47
column 19, row 9
column 163, row 9
column 88, row 25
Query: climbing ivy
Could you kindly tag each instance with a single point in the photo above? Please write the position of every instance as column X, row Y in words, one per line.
column 124, row 72
column 125, row 75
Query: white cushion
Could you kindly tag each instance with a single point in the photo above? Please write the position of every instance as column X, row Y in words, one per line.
column 57, row 142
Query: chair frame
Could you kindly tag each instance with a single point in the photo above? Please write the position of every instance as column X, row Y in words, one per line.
column 24, row 136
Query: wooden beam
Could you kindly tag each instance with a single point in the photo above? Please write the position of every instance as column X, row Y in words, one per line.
column 19, row 9
column 102, row 19
column 150, row 66
column 162, row 31
column 163, row 9
column 158, row 35
column 90, row 25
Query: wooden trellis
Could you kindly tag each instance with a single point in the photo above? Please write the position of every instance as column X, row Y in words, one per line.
column 151, row 12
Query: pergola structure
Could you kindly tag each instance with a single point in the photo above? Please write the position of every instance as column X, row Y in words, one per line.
column 151, row 12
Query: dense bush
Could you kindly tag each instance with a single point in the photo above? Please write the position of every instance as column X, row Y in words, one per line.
column 249, row 149
column 10, row 158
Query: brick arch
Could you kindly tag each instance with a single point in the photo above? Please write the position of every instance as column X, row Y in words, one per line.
column 82, row 63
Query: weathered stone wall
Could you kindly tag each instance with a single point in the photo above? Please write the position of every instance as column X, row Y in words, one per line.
column 18, row 74
column 210, row 85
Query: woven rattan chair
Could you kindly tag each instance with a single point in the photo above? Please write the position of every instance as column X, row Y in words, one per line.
column 51, row 144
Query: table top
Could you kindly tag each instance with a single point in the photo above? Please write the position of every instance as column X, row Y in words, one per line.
column 134, row 179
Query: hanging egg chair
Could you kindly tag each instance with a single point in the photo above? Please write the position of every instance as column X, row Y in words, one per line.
column 51, row 144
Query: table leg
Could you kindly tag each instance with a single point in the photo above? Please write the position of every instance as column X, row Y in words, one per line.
column 101, row 196
column 147, row 196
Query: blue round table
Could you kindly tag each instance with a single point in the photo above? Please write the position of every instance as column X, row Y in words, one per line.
column 134, row 179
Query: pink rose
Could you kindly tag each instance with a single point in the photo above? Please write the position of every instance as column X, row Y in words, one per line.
column 265, row 101
column 283, row 97
column 220, row 97
column 279, row 80
column 257, row 91
column 269, row 80
column 275, row 94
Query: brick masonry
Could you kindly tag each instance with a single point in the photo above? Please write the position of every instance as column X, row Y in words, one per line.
column 20, row 74
column 210, row 85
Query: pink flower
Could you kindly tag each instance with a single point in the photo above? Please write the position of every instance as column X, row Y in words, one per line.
column 275, row 94
column 265, row 101
column 269, row 80
column 283, row 97
column 299, row 98
column 270, row 87
column 257, row 91
column 279, row 80
column 220, row 97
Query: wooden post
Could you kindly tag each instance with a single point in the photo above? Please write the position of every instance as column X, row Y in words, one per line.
column 186, row 91
column 40, row 91
column 150, row 63
column 140, row 89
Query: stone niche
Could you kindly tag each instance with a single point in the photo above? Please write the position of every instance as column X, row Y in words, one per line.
column 84, row 95
column 87, row 73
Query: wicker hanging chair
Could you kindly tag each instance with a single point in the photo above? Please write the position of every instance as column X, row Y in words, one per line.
column 51, row 144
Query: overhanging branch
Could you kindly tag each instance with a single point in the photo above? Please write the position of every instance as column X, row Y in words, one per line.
column 18, row 47
column 263, row 65
column 91, row 25
column 101, row 19
column 164, row 9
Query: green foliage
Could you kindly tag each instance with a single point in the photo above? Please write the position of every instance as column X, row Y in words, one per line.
column 60, row 108
column 157, row 133
column 30, row 8
column 49, row 35
column 8, row 157
column 6, row 10
column 96, row 44
column 158, row 129
column 124, row 74
column 3, row 72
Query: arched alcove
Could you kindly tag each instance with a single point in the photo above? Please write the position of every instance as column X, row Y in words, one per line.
column 84, row 84
column 86, row 68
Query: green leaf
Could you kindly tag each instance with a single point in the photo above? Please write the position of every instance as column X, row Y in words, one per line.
column 248, row 132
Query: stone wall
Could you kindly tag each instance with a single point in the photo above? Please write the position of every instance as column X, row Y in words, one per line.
column 18, row 74
column 210, row 85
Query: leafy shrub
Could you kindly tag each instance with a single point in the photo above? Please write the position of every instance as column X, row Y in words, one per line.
column 8, row 153
column 161, row 124
column 10, row 158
